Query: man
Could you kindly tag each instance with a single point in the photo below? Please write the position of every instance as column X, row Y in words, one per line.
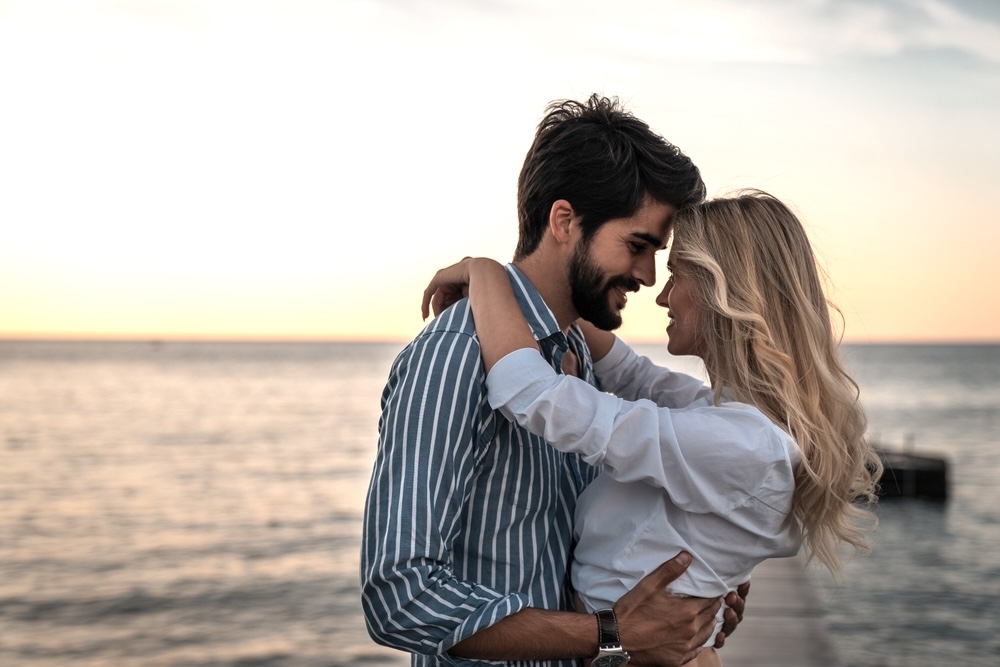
column 468, row 523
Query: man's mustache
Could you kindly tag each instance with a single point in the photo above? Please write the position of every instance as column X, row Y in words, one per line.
column 626, row 284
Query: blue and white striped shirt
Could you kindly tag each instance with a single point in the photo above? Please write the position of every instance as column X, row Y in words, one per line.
column 469, row 517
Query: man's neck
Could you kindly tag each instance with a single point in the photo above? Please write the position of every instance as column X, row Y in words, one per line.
column 552, row 284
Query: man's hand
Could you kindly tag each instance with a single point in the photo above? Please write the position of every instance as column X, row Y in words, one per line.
column 658, row 628
column 732, row 617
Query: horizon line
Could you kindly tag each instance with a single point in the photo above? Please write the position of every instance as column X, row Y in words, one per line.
column 224, row 338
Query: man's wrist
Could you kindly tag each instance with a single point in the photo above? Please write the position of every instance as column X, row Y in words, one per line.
column 610, row 652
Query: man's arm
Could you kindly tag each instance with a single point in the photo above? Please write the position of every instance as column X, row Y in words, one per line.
column 427, row 458
column 656, row 628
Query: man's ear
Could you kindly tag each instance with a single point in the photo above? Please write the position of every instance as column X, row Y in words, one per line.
column 561, row 217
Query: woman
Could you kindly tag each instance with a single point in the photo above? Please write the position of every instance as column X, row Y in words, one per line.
column 773, row 455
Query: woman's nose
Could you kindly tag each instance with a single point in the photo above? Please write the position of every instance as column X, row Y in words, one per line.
column 661, row 299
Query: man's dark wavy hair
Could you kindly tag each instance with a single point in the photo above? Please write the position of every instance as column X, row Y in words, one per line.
column 602, row 160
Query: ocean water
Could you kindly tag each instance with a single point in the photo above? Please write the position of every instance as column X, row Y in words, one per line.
column 185, row 504
column 929, row 594
column 199, row 504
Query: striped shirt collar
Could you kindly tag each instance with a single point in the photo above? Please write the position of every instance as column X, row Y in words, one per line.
column 540, row 318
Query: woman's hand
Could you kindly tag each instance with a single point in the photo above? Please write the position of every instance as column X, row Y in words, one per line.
column 451, row 284
column 500, row 324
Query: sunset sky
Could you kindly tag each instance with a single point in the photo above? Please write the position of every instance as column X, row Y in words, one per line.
column 299, row 168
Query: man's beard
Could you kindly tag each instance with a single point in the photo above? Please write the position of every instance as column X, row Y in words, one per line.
column 591, row 294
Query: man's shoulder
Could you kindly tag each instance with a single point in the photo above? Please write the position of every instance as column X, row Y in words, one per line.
column 443, row 359
column 457, row 319
column 449, row 336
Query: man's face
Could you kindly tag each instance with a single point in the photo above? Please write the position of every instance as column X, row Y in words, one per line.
column 618, row 259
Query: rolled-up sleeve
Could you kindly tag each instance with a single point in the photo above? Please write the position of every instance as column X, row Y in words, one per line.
column 434, row 421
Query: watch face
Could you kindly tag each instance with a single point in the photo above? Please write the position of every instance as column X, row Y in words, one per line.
column 609, row 661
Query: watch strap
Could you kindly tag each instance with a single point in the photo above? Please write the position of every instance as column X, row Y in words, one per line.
column 607, row 627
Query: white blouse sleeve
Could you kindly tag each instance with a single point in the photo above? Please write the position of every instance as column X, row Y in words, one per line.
column 625, row 373
column 707, row 458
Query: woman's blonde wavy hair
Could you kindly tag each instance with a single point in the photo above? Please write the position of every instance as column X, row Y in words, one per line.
column 768, row 337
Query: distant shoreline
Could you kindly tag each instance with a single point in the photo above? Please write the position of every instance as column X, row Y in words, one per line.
column 277, row 340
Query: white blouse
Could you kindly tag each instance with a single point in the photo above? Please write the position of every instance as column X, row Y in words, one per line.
column 679, row 473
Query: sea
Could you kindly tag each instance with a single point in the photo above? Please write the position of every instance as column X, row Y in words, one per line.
column 198, row 504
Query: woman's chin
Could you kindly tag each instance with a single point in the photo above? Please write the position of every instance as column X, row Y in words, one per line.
column 675, row 348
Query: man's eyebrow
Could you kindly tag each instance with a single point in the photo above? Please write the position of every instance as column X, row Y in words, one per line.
column 649, row 239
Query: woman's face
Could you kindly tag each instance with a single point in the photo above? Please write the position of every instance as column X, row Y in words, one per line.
column 680, row 300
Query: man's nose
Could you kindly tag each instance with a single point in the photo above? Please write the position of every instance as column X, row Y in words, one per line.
column 644, row 271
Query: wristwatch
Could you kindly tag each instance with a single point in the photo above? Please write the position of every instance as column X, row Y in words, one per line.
column 609, row 648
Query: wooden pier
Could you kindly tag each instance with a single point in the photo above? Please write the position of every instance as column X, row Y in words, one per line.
column 910, row 475
column 784, row 625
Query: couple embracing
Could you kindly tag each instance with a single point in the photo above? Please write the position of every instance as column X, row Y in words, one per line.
column 541, row 493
